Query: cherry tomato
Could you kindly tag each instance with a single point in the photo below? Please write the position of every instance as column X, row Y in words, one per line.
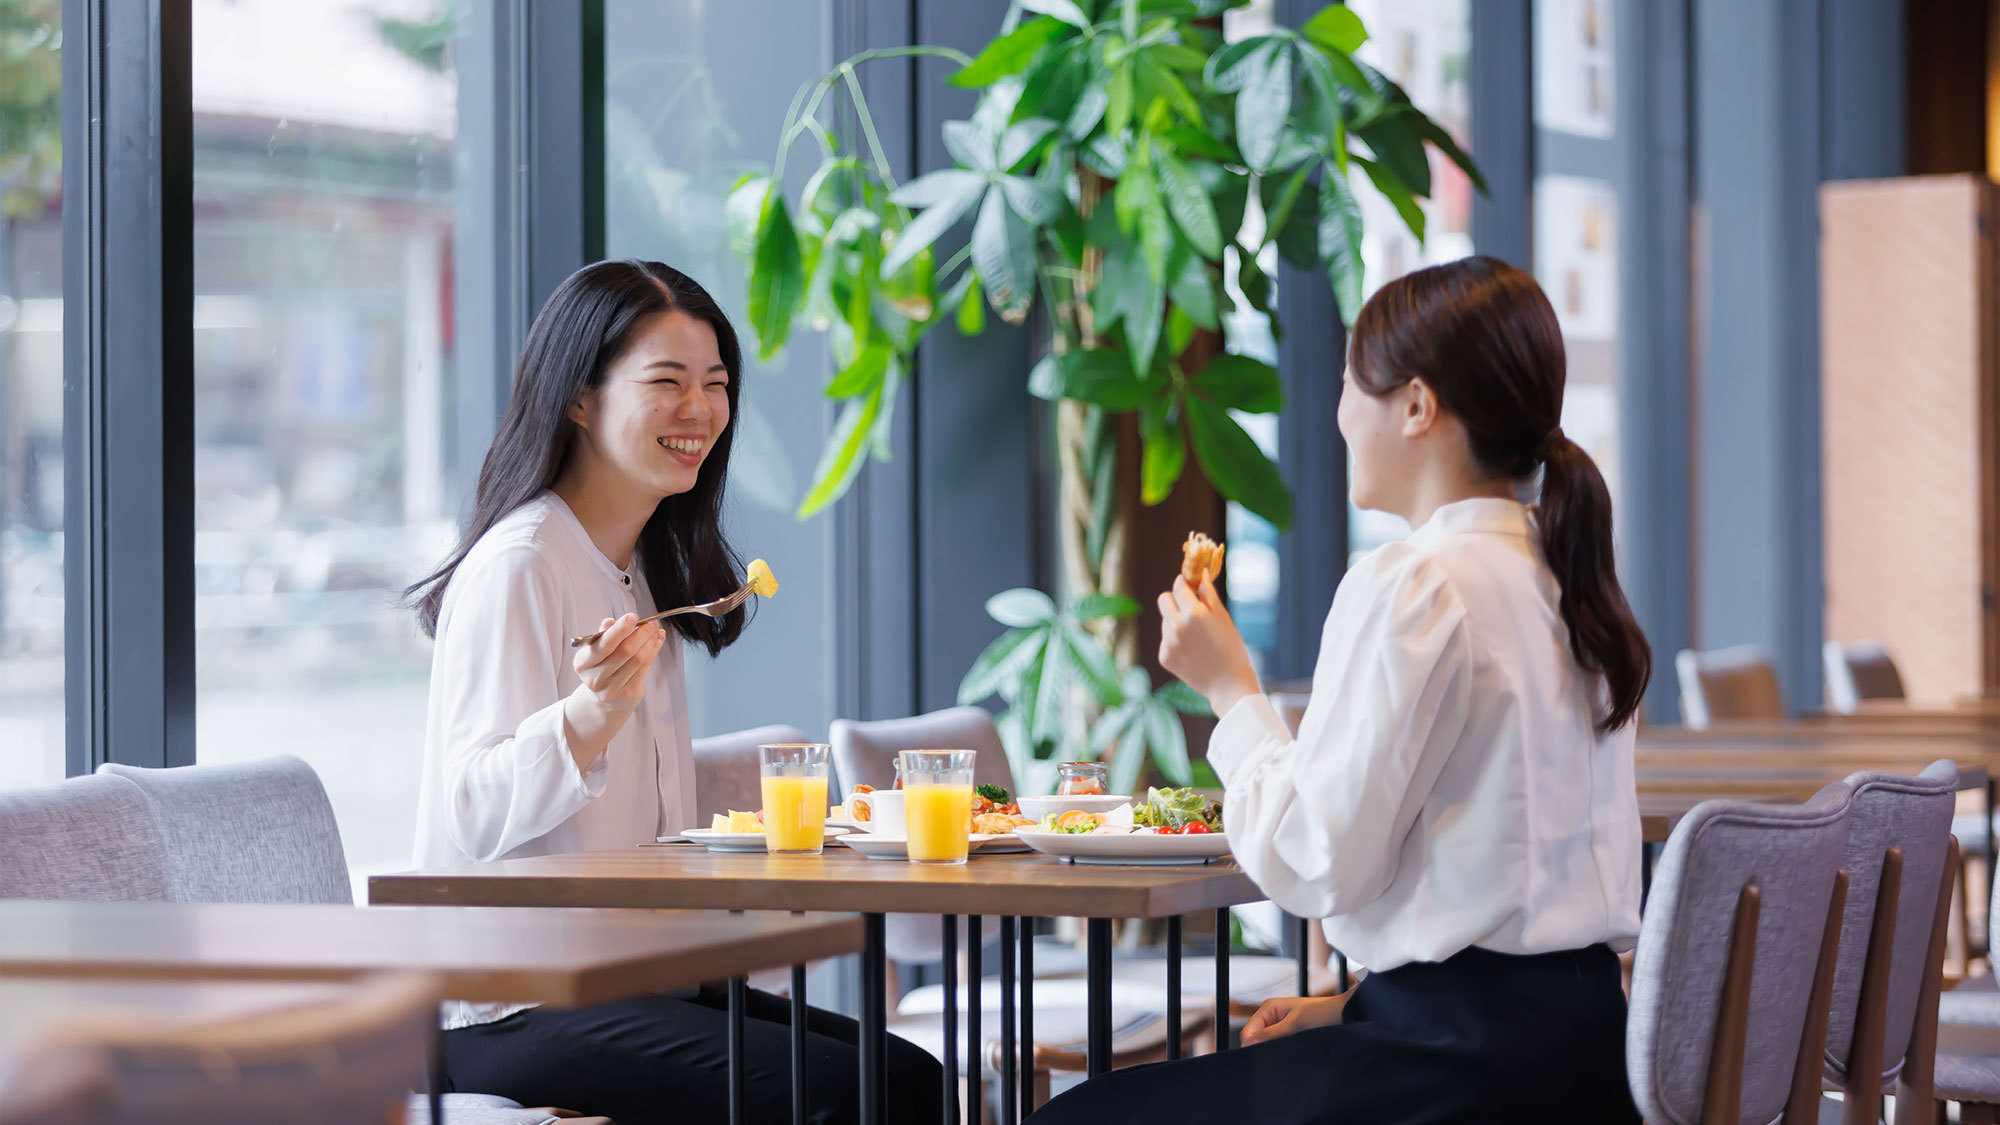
column 1194, row 828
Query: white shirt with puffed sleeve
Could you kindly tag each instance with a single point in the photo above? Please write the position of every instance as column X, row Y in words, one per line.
column 1448, row 787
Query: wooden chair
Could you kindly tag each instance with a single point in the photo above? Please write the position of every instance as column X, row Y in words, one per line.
column 1725, row 1031
column 1727, row 683
column 1859, row 672
column 1901, row 861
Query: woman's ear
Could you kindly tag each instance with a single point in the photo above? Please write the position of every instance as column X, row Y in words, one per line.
column 1421, row 410
column 578, row 412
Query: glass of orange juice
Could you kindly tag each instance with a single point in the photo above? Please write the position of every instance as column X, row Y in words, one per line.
column 794, row 777
column 937, row 804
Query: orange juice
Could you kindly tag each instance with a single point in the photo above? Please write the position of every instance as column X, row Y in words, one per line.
column 794, row 814
column 940, row 817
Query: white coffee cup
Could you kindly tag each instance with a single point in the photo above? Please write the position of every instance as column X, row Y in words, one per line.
column 885, row 811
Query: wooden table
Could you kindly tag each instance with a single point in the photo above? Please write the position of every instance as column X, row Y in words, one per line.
column 562, row 957
column 1011, row 886
column 29, row 1007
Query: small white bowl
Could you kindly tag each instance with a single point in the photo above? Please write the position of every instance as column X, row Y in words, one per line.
column 1036, row 808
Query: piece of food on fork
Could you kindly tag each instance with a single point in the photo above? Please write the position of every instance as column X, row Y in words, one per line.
column 1201, row 557
column 762, row 582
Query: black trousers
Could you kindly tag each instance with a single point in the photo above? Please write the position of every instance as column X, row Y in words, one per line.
column 659, row 1059
column 1480, row 1037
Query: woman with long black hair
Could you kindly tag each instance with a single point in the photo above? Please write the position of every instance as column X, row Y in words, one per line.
column 1458, row 803
column 600, row 501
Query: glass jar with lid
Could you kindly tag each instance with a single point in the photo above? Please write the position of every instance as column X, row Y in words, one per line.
column 1083, row 779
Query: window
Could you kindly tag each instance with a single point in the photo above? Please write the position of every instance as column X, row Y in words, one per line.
column 323, row 148
column 31, row 395
column 696, row 94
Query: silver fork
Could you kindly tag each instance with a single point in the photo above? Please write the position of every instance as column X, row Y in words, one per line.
column 716, row 608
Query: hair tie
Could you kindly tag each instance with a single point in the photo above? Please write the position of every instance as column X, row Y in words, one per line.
column 1549, row 445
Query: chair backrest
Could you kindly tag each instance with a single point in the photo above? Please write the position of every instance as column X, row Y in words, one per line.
column 726, row 770
column 1912, row 814
column 864, row 753
column 1857, row 672
column 351, row 1059
column 1727, row 683
column 1791, row 854
column 85, row 838
column 259, row 831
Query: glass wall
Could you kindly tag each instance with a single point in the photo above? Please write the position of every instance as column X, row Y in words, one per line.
column 696, row 95
column 323, row 134
column 31, row 394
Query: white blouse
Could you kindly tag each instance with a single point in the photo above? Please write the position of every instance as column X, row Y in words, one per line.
column 1447, row 787
column 499, row 781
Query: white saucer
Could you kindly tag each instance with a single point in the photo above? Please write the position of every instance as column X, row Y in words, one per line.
column 879, row 846
column 742, row 841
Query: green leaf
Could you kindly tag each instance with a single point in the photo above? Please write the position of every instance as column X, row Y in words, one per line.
column 1177, row 56
column 1100, row 451
column 1130, row 292
column 1336, row 28
column 1238, row 467
column 941, row 216
column 1184, row 699
column 972, row 310
column 1111, row 728
column 1293, row 216
column 1340, row 241
column 1093, row 664
column 1010, row 53
column 1205, row 777
column 1393, row 190
column 934, row 188
column 1164, row 457
column 1088, row 111
column 1255, row 283
column 1156, row 84
column 1437, row 135
column 970, row 145
column 1034, row 202
column 1103, row 378
column 1058, row 669
column 1098, row 604
column 1191, row 287
column 1118, row 106
column 1004, row 660
column 1186, row 140
column 1399, row 147
column 841, row 459
column 1022, row 139
column 1028, row 691
column 1045, row 379
column 884, row 430
column 777, row 277
column 1021, row 607
column 862, row 375
column 742, row 212
column 1239, row 382
column 1105, row 155
column 1188, row 203
column 1145, row 302
column 1231, row 193
column 1003, row 251
column 1129, row 757
column 1064, row 10
column 1135, row 194
column 1167, row 741
column 1229, row 69
column 1180, row 330
column 1264, row 104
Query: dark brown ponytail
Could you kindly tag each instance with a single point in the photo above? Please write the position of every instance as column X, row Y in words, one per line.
column 1484, row 338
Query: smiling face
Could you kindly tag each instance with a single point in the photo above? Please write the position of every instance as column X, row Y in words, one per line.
column 663, row 405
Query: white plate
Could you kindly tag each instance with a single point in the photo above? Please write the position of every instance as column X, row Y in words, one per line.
column 741, row 841
column 1135, row 847
column 1035, row 808
column 878, row 846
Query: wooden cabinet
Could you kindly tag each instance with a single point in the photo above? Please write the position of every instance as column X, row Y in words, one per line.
column 1908, row 359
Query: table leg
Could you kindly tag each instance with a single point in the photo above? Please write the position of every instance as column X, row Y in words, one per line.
column 950, row 1019
column 799, row 1098
column 1222, row 979
column 739, row 990
column 1027, row 1016
column 435, row 1094
column 975, row 987
column 874, row 1018
column 1097, row 1046
column 1174, row 988
column 1305, row 957
column 1007, row 1091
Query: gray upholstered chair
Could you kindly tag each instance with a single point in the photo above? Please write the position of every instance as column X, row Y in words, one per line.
column 1859, row 672
column 726, row 772
column 1899, row 855
column 864, row 753
column 1727, row 683
column 259, row 831
column 86, row 838
column 351, row 1059
column 1972, row 1078
column 1735, row 962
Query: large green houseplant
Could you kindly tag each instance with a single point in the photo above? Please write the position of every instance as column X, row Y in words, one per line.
column 1107, row 171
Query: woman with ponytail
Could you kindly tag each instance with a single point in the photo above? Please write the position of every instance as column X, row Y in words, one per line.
column 1458, row 803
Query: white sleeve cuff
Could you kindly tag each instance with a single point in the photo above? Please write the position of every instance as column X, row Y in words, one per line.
column 588, row 784
column 1251, row 722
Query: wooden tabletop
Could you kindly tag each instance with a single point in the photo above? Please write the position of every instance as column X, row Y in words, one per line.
column 568, row 958
column 1797, row 780
column 1972, row 737
column 688, row 875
